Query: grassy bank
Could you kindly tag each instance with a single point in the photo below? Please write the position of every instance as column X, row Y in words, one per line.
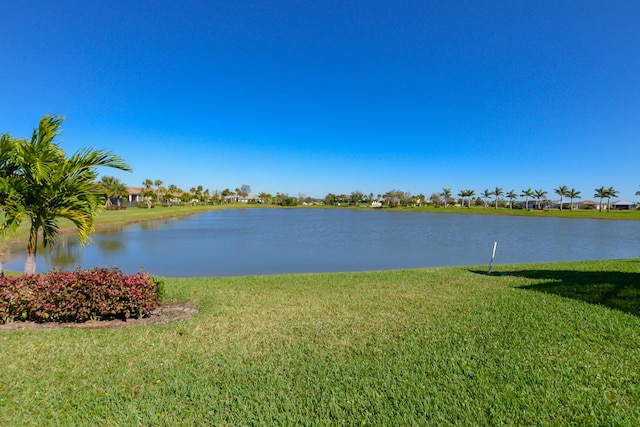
column 113, row 218
column 537, row 344
column 479, row 210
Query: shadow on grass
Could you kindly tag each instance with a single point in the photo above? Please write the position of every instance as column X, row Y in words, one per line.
column 614, row 289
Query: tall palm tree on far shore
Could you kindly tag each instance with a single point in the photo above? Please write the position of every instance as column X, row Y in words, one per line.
column 572, row 194
column 600, row 193
column 470, row 194
column 561, row 191
column 446, row 194
column 497, row 192
column 462, row 194
column 539, row 195
column 485, row 195
column 526, row 194
column 113, row 187
column 47, row 185
column 158, row 184
column 512, row 196
column 611, row 192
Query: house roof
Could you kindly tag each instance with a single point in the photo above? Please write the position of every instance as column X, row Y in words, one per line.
column 623, row 203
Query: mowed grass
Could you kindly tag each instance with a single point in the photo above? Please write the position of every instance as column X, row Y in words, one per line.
column 115, row 218
column 536, row 344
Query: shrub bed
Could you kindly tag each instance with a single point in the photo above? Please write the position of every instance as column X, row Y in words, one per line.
column 78, row 296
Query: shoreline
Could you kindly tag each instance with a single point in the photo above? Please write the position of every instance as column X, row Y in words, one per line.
column 158, row 213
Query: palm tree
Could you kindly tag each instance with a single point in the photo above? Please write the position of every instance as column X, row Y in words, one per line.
column 611, row 192
column 463, row 194
column 158, row 184
column 46, row 185
column 265, row 197
column 572, row 194
column 470, row 194
column 485, row 195
column 601, row 193
column 512, row 196
column 539, row 194
column 446, row 193
column 163, row 190
column 113, row 187
column 173, row 191
column 526, row 194
column 148, row 193
column 561, row 191
column 498, row 192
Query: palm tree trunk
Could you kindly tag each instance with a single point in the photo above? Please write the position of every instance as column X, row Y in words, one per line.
column 30, row 263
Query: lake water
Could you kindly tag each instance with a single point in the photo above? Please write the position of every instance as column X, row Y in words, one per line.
column 269, row 241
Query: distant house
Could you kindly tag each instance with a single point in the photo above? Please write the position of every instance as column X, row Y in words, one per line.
column 135, row 195
column 249, row 198
column 566, row 204
column 588, row 204
column 623, row 205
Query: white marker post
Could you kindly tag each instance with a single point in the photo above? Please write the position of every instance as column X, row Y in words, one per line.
column 493, row 255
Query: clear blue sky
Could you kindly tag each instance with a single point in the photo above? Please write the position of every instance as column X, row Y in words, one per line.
column 334, row 96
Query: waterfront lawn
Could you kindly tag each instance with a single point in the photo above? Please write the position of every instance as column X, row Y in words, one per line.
column 555, row 213
column 437, row 346
column 114, row 218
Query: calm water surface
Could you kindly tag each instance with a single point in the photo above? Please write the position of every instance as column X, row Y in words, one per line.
column 270, row 241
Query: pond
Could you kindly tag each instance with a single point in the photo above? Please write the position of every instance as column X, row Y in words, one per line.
column 270, row 241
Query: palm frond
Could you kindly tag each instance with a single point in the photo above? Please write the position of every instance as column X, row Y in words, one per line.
column 87, row 158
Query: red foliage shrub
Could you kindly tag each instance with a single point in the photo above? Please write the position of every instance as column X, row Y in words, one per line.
column 78, row 296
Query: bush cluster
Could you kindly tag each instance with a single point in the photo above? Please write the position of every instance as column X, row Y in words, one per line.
column 78, row 296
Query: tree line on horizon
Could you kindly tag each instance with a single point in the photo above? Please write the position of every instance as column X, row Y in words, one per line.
column 467, row 197
column 153, row 191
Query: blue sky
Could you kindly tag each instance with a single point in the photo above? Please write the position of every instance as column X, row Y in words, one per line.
column 334, row 96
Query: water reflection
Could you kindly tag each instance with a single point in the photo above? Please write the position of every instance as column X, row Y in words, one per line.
column 111, row 245
column 64, row 255
column 269, row 241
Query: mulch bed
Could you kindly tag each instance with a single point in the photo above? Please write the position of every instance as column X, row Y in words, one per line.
column 165, row 313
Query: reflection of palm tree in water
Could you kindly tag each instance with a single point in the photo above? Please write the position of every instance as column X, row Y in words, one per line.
column 108, row 246
column 64, row 254
column 68, row 253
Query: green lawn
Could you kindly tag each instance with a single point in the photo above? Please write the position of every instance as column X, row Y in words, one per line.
column 115, row 218
column 536, row 344
column 479, row 210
